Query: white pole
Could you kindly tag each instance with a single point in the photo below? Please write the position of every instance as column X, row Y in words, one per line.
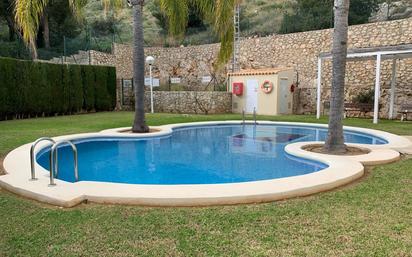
column 393, row 82
column 319, row 89
column 377, row 89
column 151, row 89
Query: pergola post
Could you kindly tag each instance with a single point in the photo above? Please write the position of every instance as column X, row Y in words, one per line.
column 393, row 84
column 377, row 88
column 318, row 88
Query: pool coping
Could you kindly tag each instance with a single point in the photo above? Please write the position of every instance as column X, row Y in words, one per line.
column 341, row 170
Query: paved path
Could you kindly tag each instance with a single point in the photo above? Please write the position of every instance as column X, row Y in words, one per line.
column 407, row 150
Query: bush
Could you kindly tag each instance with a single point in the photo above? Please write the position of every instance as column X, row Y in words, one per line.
column 29, row 89
column 89, row 79
column 365, row 97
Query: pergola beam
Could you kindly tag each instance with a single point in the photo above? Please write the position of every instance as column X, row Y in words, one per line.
column 373, row 53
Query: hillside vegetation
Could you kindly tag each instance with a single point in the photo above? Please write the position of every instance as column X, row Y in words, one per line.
column 97, row 29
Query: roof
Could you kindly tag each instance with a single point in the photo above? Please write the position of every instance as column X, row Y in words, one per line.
column 267, row 71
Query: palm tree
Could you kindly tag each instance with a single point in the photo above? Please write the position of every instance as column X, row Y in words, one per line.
column 30, row 14
column 139, row 124
column 335, row 142
column 28, row 17
column 218, row 12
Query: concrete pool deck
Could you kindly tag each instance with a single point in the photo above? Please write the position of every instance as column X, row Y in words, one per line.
column 341, row 170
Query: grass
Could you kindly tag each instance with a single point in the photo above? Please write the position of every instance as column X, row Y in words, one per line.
column 368, row 218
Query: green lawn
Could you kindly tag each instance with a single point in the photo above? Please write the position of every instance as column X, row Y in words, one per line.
column 372, row 217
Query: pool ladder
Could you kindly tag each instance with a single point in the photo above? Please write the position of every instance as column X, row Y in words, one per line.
column 254, row 116
column 54, row 165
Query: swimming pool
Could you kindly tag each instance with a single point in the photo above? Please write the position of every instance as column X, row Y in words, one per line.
column 204, row 154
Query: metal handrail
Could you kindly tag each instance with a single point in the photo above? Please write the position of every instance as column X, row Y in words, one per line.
column 243, row 116
column 54, row 165
column 32, row 157
column 254, row 115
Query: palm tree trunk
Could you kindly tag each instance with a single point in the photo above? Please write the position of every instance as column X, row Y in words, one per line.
column 335, row 141
column 12, row 30
column 46, row 30
column 139, row 124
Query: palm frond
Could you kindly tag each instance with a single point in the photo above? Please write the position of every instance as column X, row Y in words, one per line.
column 76, row 7
column 177, row 12
column 111, row 4
column 218, row 12
column 223, row 25
column 28, row 17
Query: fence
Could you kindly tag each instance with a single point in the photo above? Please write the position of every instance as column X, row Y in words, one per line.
column 66, row 46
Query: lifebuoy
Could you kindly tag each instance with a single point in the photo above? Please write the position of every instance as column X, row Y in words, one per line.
column 267, row 87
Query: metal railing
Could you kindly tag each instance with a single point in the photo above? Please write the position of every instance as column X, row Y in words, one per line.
column 254, row 115
column 54, row 165
column 32, row 157
column 243, row 117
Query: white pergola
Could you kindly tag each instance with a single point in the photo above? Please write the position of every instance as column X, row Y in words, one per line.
column 375, row 53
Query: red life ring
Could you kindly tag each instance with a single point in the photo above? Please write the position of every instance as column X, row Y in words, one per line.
column 267, row 87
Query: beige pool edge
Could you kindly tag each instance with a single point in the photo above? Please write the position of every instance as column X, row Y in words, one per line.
column 342, row 170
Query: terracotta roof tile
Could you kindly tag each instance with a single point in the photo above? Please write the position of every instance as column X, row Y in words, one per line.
column 267, row 71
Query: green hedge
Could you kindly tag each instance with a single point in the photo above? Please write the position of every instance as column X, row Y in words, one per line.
column 29, row 89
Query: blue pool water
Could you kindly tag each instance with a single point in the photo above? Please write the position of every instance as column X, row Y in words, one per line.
column 196, row 155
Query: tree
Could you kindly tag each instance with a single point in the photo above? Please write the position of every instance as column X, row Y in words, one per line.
column 317, row 14
column 195, row 21
column 335, row 141
column 29, row 15
column 139, row 124
column 6, row 12
column 219, row 13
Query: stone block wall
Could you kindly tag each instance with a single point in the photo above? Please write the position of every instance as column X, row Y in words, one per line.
column 193, row 102
column 297, row 50
column 100, row 58
column 189, row 63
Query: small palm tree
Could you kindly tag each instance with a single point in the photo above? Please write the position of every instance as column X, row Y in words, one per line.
column 335, row 141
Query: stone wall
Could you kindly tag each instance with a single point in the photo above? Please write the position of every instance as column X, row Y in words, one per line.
column 298, row 50
column 100, row 58
column 196, row 102
column 189, row 63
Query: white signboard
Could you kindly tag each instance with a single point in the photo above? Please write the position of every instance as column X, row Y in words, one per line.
column 175, row 80
column 156, row 82
column 127, row 83
column 206, row 79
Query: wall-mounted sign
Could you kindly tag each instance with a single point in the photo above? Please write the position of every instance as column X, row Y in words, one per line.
column 156, row 82
column 175, row 80
column 127, row 83
column 206, row 79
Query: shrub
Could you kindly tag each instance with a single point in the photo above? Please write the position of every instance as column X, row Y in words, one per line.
column 365, row 97
column 30, row 89
column 89, row 79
